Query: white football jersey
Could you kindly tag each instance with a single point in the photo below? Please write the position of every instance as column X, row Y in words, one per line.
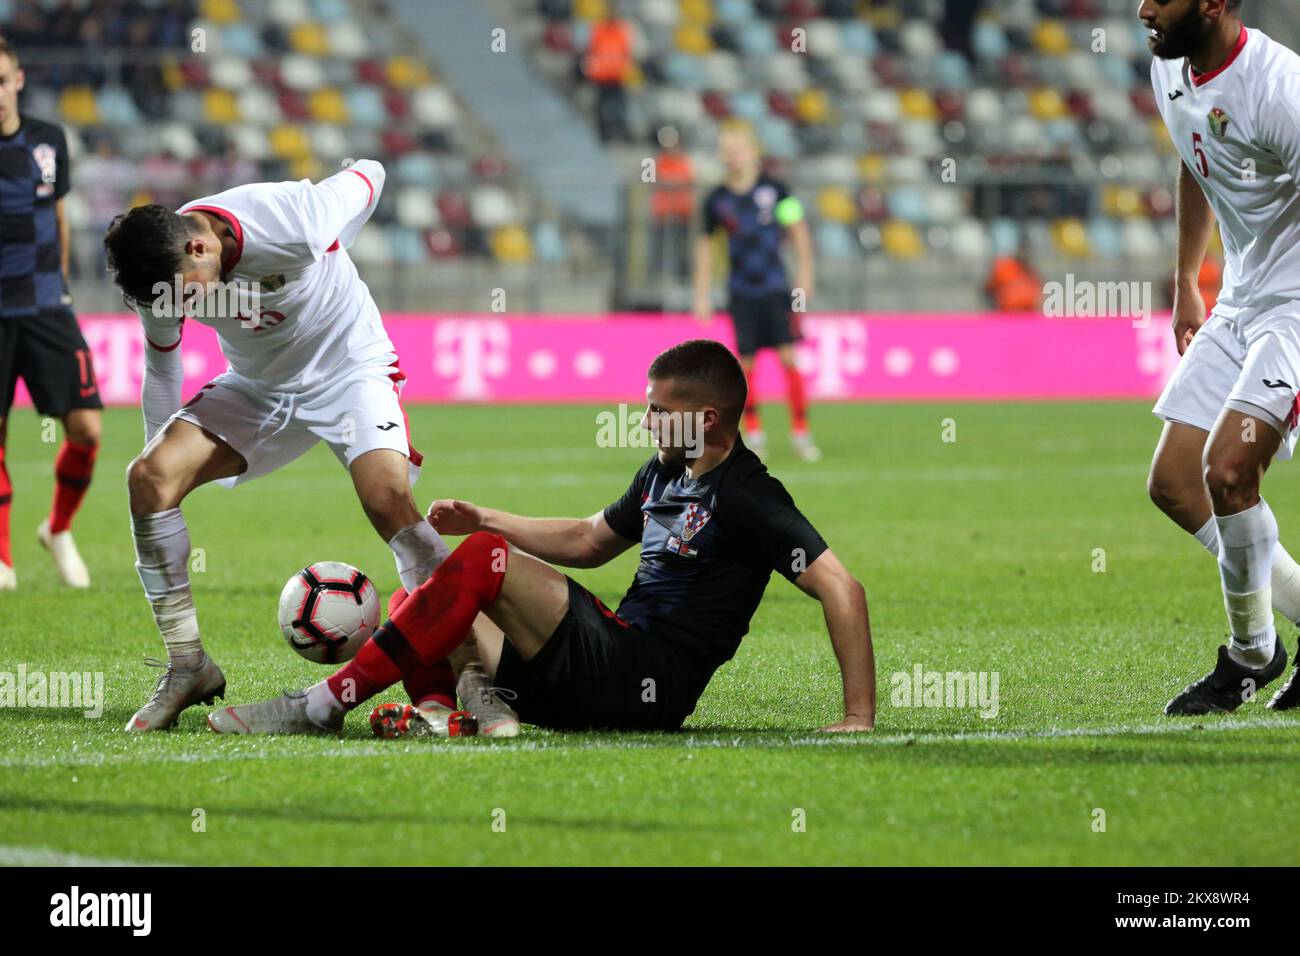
column 1238, row 131
column 309, row 314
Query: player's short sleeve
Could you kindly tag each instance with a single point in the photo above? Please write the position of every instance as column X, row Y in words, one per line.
column 763, row 521
column 624, row 515
column 1279, row 119
column 62, row 166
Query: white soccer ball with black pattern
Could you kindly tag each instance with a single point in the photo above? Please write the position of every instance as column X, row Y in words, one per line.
column 327, row 611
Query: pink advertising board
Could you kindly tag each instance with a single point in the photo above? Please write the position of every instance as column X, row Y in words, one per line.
column 557, row 358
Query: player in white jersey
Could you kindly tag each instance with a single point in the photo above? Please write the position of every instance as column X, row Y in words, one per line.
column 267, row 266
column 1230, row 97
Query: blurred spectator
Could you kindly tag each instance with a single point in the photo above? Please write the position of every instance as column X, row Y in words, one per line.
column 608, row 64
column 671, row 206
column 1014, row 285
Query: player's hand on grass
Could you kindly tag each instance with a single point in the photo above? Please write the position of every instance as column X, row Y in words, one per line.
column 851, row 724
column 450, row 516
column 1189, row 316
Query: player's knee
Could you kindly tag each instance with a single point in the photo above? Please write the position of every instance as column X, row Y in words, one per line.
column 1233, row 486
column 1168, row 492
column 148, row 485
column 84, row 432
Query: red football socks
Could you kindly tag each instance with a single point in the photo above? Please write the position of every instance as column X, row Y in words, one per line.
column 72, row 470
column 430, row 683
column 429, row 624
column 6, row 495
column 798, row 401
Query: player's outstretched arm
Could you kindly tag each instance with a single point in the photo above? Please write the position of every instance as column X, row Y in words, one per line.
column 568, row 542
column 1195, row 223
column 844, row 603
column 160, row 391
column 337, row 207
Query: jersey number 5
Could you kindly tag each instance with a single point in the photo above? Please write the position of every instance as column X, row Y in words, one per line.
column 1201, row 161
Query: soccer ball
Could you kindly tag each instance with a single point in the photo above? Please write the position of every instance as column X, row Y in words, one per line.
column 327, row 611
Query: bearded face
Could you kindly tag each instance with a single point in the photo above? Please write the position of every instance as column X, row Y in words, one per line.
column 1181, row 36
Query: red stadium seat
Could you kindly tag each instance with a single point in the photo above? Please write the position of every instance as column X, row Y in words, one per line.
column 398, row 106
column 294, row 105
column 454, row 208
column 442, row 244
column 715, row 104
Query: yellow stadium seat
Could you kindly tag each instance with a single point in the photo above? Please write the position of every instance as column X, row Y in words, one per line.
column 835, row 203
column 220, row 11
column 328, row 106
column 589, row 9
column 691, row 38
column 511, row 244
column 140, row 198
column 220, row 107
column 1051, row 38
column 1160, row 134
column 1071, row 238
column 305, row 167
column 1048, row 104
column 872, row 167
column 406, row 73
column 696, row 11
column 812, row 106
column 917, row 104
column 289, row 142
column 173, row 79
column 78, row 106
column 1120, row 201
column 901, row 240
column 309, row 38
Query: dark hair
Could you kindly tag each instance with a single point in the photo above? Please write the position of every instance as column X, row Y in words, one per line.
column 144, row 246
column 1234, row 5
column 706, row 371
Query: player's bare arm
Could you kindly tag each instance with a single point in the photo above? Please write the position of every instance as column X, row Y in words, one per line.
column 844, row 603
column 567, row 542
column 804, row 274
column 703, row 277
column 1195, row 224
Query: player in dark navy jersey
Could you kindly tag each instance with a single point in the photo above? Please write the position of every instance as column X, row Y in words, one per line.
column 757, row 212
column 712, row 524
column 39, row 338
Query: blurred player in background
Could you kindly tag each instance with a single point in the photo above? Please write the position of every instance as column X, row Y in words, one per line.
column 712, row 525
column 758, row 212
column 309, row 361
column 39, row 337
column 1230, row 97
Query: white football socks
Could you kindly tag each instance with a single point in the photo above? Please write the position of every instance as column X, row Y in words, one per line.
column 418, row 550
column 162, row 554
column 1285, row 579
column 322, row 705
column 1246, row 544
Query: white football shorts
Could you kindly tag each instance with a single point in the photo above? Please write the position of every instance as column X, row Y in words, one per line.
column 1252, row 359
column 356, row 413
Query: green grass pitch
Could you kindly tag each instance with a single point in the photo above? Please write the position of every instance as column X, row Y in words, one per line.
column 978, row 555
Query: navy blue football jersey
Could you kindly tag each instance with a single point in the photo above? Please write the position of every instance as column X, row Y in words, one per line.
column 754, row 236
column 708, row 547
column 33, row 177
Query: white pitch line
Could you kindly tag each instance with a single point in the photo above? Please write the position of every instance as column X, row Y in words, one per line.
column 678, row 742
column 44, row 856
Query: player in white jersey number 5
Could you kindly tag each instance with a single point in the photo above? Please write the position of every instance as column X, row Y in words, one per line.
column 267, row 266
column 1230, row 97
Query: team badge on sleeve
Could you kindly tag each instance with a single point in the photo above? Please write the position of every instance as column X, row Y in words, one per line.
column 1218, row 123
